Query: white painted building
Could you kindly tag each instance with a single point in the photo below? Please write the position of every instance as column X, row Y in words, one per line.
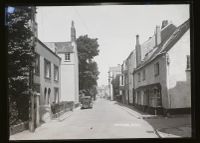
column 112, row 73
column 68, row 53
column 162, row 77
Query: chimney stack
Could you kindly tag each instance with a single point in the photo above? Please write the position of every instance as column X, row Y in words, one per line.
column 138, row 51
column 164, row 23
column 157, row 35
column 73, row 32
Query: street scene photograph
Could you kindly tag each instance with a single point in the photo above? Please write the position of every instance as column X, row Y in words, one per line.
column 99, row 72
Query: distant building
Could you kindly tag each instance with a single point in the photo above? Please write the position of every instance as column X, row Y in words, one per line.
column 162, row 75
column 103, row 91
column 112, row 73
column 129, row 65
column 67, row 51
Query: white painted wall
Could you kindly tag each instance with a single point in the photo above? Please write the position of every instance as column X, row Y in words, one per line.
column 70, row 76
column 178, row 87
column 67, row 83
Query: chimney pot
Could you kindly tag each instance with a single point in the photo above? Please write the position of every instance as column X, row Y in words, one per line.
column 164, row 23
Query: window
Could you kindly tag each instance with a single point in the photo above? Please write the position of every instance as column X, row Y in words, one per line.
column 139, row 77
column 157, row 97
column 144, row 76
column 56, row 73
column 156, row 69
column 49, row 94
column 36, row 69
column 67, row 56
column 45, row 95
column 56, row 95
column 188, row 62
column 47, row 69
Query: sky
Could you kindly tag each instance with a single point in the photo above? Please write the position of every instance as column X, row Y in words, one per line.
column 115, row 26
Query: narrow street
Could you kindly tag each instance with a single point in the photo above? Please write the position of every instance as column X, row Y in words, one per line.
column 105, row 120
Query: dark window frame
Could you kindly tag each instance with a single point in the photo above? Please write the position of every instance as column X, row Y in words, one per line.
column 36, row 70
column 67, row 56
column 188, row 64
column 56, row 68
column 143, row 74
column 56, row 96
column 46, row 62
column 139, row 76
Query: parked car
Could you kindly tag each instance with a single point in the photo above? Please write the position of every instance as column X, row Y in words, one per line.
column 86, row 102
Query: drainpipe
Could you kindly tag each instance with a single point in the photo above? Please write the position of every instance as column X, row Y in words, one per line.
column 169, row 97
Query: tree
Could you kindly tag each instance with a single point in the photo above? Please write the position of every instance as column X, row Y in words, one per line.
column 88, row 69
column 20, row 58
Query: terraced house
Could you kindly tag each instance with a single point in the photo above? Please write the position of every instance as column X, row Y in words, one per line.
column 162, row 75
column 46, row 81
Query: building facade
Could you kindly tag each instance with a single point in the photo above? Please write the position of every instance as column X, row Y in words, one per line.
column 112, row 73
column 155, row 77
column 46, row 81
column 162, row 77
column 68, row 53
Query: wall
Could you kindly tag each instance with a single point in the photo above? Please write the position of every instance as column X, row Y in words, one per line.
column 132, row 65
column 68, row 83
column 179, row 87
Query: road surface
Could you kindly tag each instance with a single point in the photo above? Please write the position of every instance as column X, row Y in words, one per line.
column 105, row 120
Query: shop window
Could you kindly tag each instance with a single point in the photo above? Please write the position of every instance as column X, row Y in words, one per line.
column 157, row 97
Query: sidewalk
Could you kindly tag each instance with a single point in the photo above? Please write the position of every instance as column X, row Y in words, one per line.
column 139, row 114
column 40, row 131
column 165, row 127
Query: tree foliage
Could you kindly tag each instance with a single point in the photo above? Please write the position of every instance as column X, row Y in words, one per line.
column 20, row 58
column 88, row 69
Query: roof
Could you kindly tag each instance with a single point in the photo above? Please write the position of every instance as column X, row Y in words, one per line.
column 47, row 48
column 167, row 44
column 61, row 47
column 180, row 31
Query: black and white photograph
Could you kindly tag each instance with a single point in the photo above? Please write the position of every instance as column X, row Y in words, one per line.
column 109, row 71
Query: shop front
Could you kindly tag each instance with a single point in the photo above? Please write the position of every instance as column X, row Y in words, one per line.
column 149, row 98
